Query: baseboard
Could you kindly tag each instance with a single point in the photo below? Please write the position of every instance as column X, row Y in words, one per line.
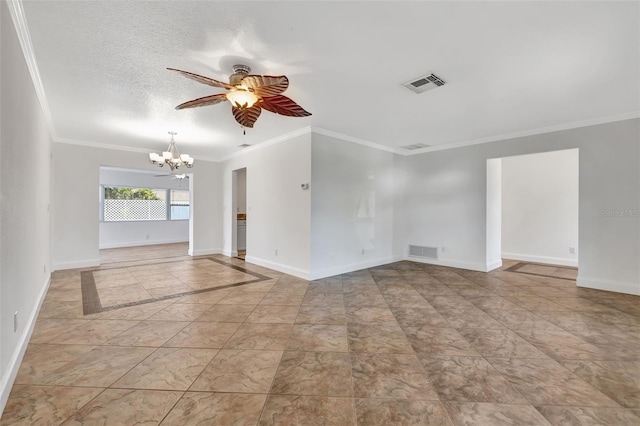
column 228, row 253
column 608, row 285
column 329, row 272
column 451, row 263
column 204, row 252
column 285, row 269
column 493, row 265
column 142, row 243
column 7, row 379
column 74, row 264
column 541, row 259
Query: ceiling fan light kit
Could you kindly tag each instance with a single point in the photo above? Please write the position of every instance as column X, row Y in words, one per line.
column 171, row 156
column 242, row 98
column 249, row 95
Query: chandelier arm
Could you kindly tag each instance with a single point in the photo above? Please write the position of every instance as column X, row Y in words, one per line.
column 172, row 157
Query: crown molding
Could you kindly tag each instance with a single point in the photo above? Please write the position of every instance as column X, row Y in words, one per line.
column 532, row 132
column 91, row 144
column 269, row 142
column 98, row 145
column 332, row 134
column 347, row 138
column 22, row 31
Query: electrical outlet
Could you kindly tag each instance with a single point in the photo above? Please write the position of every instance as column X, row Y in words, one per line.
column 15, row 321
column 443, row 249
column 276, row 252
column 362, row 251
column 44, row 268
column 572, row 250
column 147, row 236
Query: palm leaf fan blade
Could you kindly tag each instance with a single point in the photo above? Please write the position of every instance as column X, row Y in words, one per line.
column 204, row 101
column 202, row 79
column 246, row 116
column 266, row 85
column 282, row 105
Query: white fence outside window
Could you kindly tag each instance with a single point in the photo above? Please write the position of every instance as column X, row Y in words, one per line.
column 127, row 210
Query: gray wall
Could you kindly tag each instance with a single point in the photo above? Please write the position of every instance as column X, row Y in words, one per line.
column 540, row 207
column 445, row 200
column 352, row 203
column 25, row 196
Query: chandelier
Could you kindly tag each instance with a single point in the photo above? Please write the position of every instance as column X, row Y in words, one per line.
column 171, row 156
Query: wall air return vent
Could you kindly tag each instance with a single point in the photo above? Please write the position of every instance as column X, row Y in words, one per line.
column 424, row 252
column 424, row 83
column 414, row 146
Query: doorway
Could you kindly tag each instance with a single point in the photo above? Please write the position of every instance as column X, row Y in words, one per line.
column 532, row 213
column 240, row 212
column 143, row 212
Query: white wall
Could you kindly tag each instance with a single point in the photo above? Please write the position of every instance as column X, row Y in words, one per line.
column 241, row 193
column 76, row 207
column 494, row 213
column 138, row 233
column 278, row 210
column 446, row 200
column 352, row 203
column 142, row 233
column 540, row 207
column 25, row 197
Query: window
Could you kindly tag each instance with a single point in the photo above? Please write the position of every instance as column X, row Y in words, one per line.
column 122, row 204
column 179, row 204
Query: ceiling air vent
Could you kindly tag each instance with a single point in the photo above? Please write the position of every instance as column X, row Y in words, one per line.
column 415, row 146
column 424, row 83
column 244, row 145
column 424, row 252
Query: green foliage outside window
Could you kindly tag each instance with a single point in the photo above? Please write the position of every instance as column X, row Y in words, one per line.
column 119, row 193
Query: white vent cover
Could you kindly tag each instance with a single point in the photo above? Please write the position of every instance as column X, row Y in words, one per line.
column 425, row 252
column 415, row 146
column 424, row 83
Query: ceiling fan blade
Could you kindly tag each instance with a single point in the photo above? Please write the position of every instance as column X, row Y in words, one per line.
column 202, row 79
column 266, row 85
column 284, row 106
column 246, row 116
column 205, row 101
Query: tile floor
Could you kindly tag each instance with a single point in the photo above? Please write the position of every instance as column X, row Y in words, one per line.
column 400, row 344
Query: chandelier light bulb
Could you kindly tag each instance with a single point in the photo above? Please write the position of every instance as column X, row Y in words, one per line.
column 171, row 156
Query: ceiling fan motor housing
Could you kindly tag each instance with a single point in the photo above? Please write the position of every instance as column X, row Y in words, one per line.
column 239, row 72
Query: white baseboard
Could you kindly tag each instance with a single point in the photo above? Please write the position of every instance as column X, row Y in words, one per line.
column 493, row 265
column 607, row 285
column 74, row 264
column 329, row 272
column 541, row 259
column 452, row 263
column 142, row 243
column 230, row 253
column 204, row 252
column 285, row 269
column 9, row 375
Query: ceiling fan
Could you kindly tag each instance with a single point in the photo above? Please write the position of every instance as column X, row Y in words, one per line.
column 174, row 176
column 248, row 94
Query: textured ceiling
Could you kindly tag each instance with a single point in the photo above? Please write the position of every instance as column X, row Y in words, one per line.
column 510, row 67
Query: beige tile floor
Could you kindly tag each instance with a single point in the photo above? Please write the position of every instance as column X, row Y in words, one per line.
column 400, row 344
